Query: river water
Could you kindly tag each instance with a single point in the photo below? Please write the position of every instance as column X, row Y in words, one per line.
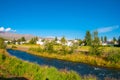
column 80, row 68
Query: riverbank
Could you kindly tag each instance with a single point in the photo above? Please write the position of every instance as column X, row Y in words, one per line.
column 79, row 57
column 13, row 68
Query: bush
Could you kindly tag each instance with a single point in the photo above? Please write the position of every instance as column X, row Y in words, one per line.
column 114, row 55
column 49, row 47
column 64, row 50
column 95, row 50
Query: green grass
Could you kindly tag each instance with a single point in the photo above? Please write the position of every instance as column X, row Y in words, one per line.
column 11, row 66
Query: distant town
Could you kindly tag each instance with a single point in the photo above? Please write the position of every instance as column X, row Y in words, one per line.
column 41, row 41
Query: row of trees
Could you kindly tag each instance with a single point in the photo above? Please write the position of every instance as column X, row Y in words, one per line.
column 89, row 38
column 94, row 42
column 33, row 40
column 22, row 39
column 104, row 39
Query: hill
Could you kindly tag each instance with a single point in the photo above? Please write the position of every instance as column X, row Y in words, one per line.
column 11, row 35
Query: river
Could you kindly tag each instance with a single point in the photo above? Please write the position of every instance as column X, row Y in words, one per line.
column 80, row 68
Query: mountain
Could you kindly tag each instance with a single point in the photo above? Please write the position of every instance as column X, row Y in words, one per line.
column 11, row 35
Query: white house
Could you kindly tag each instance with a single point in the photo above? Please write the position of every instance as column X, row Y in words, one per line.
column 58, row 42
column 40, row 42
column 69, row 43
column 104, row 44
column 75, row 41
column 27, row 41
column 116, row 43
column 6, row 42
column 22, row 42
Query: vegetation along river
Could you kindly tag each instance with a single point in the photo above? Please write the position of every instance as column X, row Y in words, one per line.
column 82, row 69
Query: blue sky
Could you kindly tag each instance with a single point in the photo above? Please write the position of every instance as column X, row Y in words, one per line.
column 69, row 18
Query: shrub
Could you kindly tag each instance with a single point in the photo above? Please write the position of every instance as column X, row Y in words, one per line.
column 64, row 50
column 95, row 46
column 48, row 47
column 95, row 50
column 114, row 55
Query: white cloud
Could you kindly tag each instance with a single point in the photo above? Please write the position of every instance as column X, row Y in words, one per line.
column 8, row 29
column 107, row 29
column 2, row 29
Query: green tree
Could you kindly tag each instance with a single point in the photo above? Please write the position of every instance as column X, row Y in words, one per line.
column 95, row 48
column 80, row 42
column 88, row 38
column 55, row 41
column 96, row 40
column 19, row 40
column 56, row 38
column 105, row 38
column 23, row 39
column 102, row 38
column 33, row 40
column 63, row 40
column 2, row 44
column 114, row 39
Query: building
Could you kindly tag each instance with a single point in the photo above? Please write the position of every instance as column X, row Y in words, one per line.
column 40, row 42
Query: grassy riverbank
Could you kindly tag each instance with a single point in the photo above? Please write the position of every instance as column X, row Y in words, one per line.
column 101, row 61
column 13, row 68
